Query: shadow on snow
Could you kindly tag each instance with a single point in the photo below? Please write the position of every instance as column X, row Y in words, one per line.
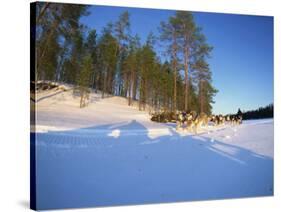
column 121, row 164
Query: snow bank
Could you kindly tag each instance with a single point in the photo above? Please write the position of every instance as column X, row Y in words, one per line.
column 59, row 110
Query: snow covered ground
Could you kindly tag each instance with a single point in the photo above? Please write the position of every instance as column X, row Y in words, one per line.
column 111, row 154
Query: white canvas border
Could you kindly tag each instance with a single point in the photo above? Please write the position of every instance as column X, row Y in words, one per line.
column 14, row 113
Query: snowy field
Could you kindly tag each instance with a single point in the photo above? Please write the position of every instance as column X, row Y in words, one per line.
column 111, row 154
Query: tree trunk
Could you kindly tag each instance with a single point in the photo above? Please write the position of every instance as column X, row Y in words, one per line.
column 126, row 85
column 141, row 93
column 131, row 85
column 175, row 72
column 109, row 83
column 186, row 80
column 201, row 97
column 144, row 95
column 104, row 83
column 82, row 99
column 135, row 86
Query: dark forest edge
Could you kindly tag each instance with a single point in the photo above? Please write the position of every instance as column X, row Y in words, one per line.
column 115, row 62
column 260, row 113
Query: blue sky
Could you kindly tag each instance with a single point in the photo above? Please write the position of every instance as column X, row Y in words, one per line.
column 242, row 59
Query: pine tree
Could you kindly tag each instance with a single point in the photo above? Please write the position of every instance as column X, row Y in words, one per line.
column 91, row 49
column 206, row 90
column 131, row 68
column 73, row 64
column 84, row 80
column 107, row 58
column 187, row 28
column 55, row 22
column 201, row 71
column 167, row 85
column 147, row 62
column 48, row 62
column 169, row 33
column 121, row 29
column 117, row 64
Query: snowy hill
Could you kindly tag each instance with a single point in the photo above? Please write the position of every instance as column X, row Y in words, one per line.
column 58, row 110
column 112, row 154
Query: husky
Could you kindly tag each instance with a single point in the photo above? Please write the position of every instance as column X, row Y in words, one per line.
column 191, row 121
column 236, row 119
column 205, row 119
column 181, row 119
column 218, row 119
column 190, row 117
column 185, row 120
column 195, row 122
column 227, row 118
column 215, row 119
column 221, row 120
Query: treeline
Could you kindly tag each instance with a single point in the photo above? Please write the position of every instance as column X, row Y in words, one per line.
column 115, row 62
column 260, row 113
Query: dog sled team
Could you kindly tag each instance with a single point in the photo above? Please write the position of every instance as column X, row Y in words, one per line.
column 193, row 122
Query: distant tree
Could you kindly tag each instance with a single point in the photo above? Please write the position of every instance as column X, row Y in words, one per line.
column 260, row 113
column 239, row 112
